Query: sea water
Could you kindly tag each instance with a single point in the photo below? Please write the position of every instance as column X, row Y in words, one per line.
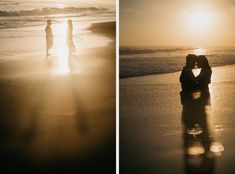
column 141, row 61
column 22, row 24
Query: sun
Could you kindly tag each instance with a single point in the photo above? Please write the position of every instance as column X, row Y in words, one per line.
column 200, row 20
column 199, row 51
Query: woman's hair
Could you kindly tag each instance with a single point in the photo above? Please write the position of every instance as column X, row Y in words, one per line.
column 204, row 61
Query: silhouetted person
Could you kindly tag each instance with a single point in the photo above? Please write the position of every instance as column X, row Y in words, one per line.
column 197, row 121
column 187, row 78
column 204, row 78
column 70, row 43
column 49, row 37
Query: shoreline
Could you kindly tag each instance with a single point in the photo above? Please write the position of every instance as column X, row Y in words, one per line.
column 56, row 121
column 18, row 59
column 141, row 77
column 151, row 127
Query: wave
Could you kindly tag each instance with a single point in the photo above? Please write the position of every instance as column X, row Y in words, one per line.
column 168, row 62
column 144, row 50
column 54, row 11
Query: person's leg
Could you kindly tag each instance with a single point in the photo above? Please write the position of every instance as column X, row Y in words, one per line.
column 47, row 52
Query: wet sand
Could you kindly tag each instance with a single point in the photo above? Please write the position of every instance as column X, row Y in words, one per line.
column 55, row 122
column 106, row 28
column 151, row 129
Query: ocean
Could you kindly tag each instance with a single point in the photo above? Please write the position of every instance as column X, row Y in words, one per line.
column 22, row 25
column 16, row 14
column 141, row 61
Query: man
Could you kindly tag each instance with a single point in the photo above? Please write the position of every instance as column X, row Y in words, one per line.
column 187, row 78
column 49, row 37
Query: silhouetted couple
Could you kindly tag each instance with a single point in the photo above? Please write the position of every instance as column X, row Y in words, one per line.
column 197, row 120
column 187, row 79
column 195, row 95
column 50, row 38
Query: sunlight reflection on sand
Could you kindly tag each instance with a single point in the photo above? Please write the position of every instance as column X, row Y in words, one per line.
column 60, row 51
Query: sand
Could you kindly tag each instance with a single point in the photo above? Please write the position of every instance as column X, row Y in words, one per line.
column 106, row 28
column 151, row 131
column 58, row 119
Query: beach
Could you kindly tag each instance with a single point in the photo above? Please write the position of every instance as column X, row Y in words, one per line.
column 57, row 114
column 151, row 130
column 168, row 59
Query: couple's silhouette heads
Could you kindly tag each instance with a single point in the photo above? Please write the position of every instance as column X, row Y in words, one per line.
column 191, row 60
column 201, row 60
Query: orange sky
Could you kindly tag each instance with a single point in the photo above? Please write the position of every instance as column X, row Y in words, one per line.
column 177, row 23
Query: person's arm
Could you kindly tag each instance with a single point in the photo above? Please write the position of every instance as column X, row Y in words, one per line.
column 181, row 76
column 191, row 75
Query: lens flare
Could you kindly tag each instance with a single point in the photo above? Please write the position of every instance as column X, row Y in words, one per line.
column 200, row 20
column 61, row 51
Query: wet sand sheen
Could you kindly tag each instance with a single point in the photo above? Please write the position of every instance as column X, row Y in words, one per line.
column 150, row 123
column 59, row 122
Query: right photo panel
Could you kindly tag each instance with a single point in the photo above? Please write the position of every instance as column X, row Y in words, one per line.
column 177, row 86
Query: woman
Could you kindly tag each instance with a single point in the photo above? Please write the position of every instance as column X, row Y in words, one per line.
column 204, row 78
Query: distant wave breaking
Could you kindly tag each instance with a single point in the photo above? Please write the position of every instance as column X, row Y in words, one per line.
column 54, row 11
column 142, row 61
column 148, row 50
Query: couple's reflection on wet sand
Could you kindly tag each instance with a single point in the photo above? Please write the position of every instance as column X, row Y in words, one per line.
column 200, row 145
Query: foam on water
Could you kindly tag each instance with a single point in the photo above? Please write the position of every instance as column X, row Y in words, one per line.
column 19, row 13
column 140, row 61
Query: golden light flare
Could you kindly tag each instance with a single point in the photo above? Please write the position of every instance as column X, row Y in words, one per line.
column 217, row 147
column 199, row 51
column 61, row 50
column 200, row 20
column 196, row 72
column 196, row 149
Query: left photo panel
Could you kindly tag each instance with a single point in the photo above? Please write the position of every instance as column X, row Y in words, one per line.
column 57, row 86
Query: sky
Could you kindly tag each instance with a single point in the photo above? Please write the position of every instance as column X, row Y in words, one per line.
column 177, row 23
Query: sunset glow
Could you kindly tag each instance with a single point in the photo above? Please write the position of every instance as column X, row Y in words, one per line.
column 199, row 51
column 200, row 20
column 61, row 50
column 173, row 23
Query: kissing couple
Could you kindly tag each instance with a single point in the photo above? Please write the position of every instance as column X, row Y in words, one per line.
column 189, row 82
